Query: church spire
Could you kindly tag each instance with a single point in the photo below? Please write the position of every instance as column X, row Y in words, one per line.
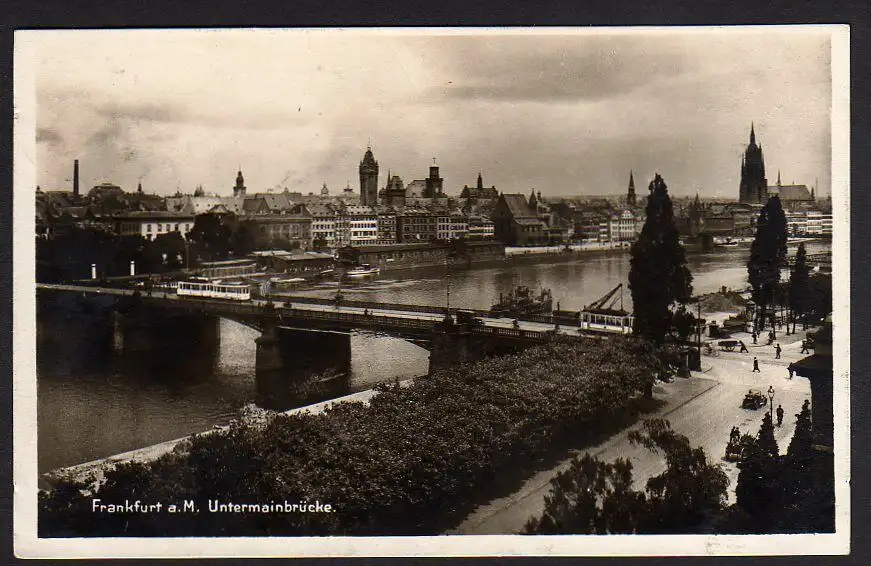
column 480, row 181
column 752, row 135
column 533, row 203
column 630, row 195
column 778, row 177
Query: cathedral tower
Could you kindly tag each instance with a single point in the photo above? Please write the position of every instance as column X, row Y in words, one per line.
column 630, row 196
column 368, row 179
column 754, row 185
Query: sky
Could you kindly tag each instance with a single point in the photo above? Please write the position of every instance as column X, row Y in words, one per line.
column 567, row 112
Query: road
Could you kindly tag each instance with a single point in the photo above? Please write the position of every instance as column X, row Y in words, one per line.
column 703, row 407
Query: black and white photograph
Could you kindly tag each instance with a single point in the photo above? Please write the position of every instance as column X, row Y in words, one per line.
column 432, row 292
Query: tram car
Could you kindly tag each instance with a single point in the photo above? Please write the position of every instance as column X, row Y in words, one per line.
column 202, row 287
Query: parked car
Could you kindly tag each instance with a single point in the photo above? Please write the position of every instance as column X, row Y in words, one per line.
column 754, row 399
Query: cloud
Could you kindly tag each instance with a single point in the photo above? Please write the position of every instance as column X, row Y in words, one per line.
column 48, row 136
column 556, row 69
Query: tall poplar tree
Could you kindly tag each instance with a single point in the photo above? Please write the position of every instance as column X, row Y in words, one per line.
column 799, row 285
column 767, row 254
column 659, row 276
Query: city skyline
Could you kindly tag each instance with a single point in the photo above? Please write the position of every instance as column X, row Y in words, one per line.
column 567, row 112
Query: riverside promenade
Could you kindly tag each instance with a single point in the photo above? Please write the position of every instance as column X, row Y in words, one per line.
column 704, row 407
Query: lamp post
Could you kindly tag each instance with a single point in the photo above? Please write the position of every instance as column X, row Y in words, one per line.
column 447, row 286
column 771, row 401
column 699, row 327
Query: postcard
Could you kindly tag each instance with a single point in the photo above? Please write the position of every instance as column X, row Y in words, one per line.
column 432, row 292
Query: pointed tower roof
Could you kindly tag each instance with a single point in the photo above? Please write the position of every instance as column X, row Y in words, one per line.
column 533, row 203
column 368, row 158
column 480, row 181
column 752, row 134
column 778, row 177
column 631, row 181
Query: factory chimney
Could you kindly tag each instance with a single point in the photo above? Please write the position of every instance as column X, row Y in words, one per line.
column 76, row 179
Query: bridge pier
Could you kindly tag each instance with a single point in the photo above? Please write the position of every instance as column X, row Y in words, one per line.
column 455, row 345
column 295, row 366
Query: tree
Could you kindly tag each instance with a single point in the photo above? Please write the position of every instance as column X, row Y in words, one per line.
column 799, row 285
column 758, row 489
column 801, row 446
column 690, row 489
column 767, row 253
column 211, row 236
column 658, row 276
column 683, row 323
column 593, row 497
column 173, row 247
column 248, row 236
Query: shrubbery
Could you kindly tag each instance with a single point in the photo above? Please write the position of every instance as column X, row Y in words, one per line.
column 396, row 466
column 594, row 497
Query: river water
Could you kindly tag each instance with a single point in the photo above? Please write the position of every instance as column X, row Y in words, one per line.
column 95, row 406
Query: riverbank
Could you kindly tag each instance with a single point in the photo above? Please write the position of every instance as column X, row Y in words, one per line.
column 96, row 468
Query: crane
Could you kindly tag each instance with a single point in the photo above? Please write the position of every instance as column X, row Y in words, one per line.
column 606, row 303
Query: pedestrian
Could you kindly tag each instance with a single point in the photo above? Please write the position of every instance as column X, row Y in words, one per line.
column 756, row 365
column 743, row 347
column 779, row 415
column 804, row 347
column 791, row 369
column 777, row 352
column 754, row 336
column 773, row 334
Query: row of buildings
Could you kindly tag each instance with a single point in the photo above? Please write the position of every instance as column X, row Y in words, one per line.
column 420, row 211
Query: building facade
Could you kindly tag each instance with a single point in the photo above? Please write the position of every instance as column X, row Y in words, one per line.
column 480, row 228
column 362, row 225
column 414, row 224
column 149, row 225
column 516, row 223
column 295, row 228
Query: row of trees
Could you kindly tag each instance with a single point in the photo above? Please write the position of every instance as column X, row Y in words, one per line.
column 803, row 294
column 70, row 256
column 661, row 283
column 400, row 465
column 213, row 237
column 782, row 493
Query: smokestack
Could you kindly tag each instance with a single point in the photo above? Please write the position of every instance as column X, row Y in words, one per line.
column 76, row 179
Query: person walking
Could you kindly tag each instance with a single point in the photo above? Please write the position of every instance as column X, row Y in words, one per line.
column 791, row 370
column 743, row 347
column 777, row 352
column 779, row 415
column 804, row 347
column 756, row 365
column 754, row 335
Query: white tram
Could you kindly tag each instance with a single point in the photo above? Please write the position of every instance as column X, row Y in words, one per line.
column 201, row 287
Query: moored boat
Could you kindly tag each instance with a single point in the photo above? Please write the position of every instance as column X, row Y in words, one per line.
column 522, row 301
column 363, row 270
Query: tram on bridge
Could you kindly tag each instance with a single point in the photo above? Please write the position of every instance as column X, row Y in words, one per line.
column 202, row 287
